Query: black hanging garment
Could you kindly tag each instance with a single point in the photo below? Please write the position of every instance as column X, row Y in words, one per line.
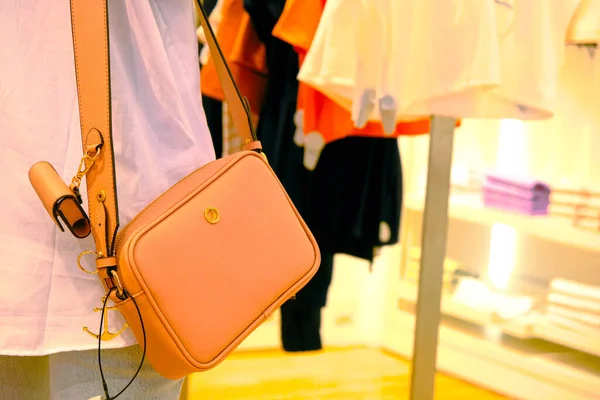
column 213, row 108
column 214, row 117
column 356, row 196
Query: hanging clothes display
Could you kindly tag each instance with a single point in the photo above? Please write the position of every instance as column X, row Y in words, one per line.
column 338, row 193
column 351, row 198
column 365, row 162
column 385, row 62
column 505, row 60
column 300, row 318
column 335, row 83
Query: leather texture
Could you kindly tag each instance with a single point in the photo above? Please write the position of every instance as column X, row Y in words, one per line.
column 210, row 258
column 58, row 199
column 89, row 24
column 233, row 274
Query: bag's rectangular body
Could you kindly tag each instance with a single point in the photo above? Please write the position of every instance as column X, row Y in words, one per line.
column 211, row 259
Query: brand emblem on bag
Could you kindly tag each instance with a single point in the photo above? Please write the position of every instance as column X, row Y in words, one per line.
column 212, row 215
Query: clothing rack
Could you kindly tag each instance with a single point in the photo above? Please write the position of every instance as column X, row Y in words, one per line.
column 433, row 245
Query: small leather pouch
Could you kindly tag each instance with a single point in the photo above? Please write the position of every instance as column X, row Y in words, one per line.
column 59, row 200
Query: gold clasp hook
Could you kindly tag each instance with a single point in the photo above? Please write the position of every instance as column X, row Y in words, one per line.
column 86, row 163
column 106, row 335
column 118, row 284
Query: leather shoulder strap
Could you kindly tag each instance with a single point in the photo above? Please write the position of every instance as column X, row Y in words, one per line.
column 237, row 104
column 89, row 22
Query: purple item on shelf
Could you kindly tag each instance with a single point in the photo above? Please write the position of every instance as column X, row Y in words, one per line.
column 515, row 204
column 521, row 195
column 514, row 184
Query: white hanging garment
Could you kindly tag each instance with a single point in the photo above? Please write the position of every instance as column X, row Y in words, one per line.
column 330, row 63
column 379, row 57
column 373, row 91
column 445, row 54
column 585, row 24
column 350, row 59
column 160, row 135
column 494, row 59
column 461, row 58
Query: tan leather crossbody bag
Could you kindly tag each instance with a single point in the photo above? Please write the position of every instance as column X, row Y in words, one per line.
column 209, row 260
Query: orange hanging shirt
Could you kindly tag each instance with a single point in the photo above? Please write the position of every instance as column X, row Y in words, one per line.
column 245, row 54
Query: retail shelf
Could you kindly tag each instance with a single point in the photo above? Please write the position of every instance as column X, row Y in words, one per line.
column 520, row 328
column 504, row 367
column 566, row 337
column 534, row 326
column 469, row 207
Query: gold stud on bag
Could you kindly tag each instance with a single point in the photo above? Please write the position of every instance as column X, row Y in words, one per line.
column 212, row 215
column 209, row 260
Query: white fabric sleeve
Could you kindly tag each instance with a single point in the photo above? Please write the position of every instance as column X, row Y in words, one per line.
column 328, row 65
column 369, row 56
column 387, row 104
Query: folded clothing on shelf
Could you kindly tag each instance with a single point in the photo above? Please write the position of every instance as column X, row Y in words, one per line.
column 588, row 319
column 575, row 289
column 574, row 305
column 479, row 295
column 516, row 194
column 567, row 323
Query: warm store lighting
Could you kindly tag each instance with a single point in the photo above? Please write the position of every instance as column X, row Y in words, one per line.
column 511, row 159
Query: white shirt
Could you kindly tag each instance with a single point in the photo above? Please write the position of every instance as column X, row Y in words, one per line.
column 585, row 24
column 404, row 59
column 348, row 60
column 330, row 63
column 373, row 52
column 493, row 59
column 444, row 53
column 160, row 135
column 388, row 59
